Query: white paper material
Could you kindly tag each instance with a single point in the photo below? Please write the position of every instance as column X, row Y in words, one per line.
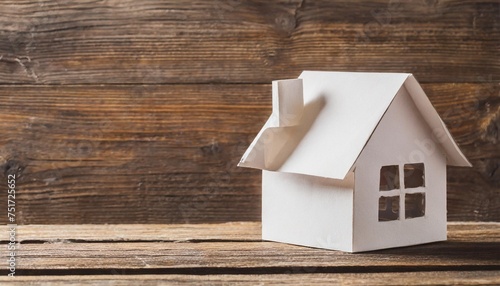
column 340, row 114
column 288, row 102
column 306, row 210
column 321, row 161
column 402, row 137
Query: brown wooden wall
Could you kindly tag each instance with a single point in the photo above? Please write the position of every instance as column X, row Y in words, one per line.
column 126, row 111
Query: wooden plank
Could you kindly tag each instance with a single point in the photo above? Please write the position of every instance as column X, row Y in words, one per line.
column 411, row 278
column 245, row 258
column 152, row 41
column 231, row 231
column 470, row 247
column 168, row 153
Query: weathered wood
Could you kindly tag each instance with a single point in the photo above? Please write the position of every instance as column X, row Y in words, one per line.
column 470, row 247
column 168, row 153
column 116, row 41
column 231, row 231
column 192, row 257
column 408, row 278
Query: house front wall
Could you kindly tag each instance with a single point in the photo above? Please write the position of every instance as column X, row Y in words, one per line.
column 402, row 137
column 307, row 210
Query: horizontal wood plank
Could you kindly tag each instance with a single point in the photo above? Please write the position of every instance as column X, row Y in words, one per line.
column 168, row 153
column 152, row 41
column 383, row 279
column 231, row 231
column 262, row 257
column 470, row 247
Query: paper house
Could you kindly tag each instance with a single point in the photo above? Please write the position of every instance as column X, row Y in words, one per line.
column 353, row 161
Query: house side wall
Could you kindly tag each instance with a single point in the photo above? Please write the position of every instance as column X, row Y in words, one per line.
column 402, row 136
column 307, row 210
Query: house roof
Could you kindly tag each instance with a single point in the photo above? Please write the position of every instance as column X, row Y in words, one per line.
column 341, row 110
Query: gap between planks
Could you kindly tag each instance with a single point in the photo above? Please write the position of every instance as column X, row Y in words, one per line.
column 417, row 278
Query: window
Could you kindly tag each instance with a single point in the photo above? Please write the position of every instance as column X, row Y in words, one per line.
column 389, row 178
column 414, row 175
column 410, row 195
column 388, row 208
column 414, row 205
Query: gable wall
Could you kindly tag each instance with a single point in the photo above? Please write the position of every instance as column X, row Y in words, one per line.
column 401, row 137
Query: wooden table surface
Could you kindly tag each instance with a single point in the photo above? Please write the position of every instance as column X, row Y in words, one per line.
column 233, row 253
column 137, row 112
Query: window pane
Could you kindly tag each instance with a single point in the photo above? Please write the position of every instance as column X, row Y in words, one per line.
column 414, row 205
column 414, row 175
column 389, row 178
column 388, row 208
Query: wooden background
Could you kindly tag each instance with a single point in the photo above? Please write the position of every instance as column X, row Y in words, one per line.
column 138, row 111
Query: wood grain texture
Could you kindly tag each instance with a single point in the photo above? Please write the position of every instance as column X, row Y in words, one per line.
column 218, row 250
column 257, row 255
column 122, row 111
column 168, row 153
column 382, row 279
column 152, row 41
column 231, row 231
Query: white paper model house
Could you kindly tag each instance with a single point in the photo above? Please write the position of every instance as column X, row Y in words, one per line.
column 353, row 161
